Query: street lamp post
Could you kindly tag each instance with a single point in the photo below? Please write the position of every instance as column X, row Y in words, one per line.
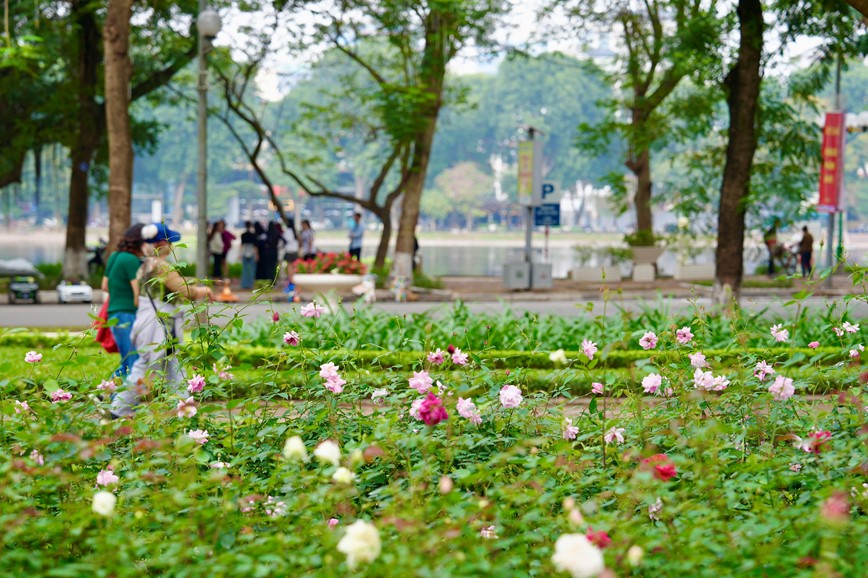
column 208, row 24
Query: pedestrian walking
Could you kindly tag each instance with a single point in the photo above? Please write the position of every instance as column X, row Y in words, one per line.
column 228, row 238
column 261, row 238
column 290, row 250
column 122, row 291
column 158, row 329
column 249, row 256
column 216, row 248
column 307, row 246
column 806, row 250
column 269, row 250
column 356, row 234
column 771, row 240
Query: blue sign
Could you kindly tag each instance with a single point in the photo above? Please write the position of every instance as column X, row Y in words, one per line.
column 547, row 215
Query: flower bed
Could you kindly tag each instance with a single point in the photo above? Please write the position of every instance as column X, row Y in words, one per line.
column 458, row 463
column 330, row 263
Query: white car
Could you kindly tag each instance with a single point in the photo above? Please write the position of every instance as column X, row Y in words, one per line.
column 74, row 293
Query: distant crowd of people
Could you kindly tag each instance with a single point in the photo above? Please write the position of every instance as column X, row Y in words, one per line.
column 265, row 246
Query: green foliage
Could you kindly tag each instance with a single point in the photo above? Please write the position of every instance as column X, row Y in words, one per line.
column 748, row 485
column 641, row 238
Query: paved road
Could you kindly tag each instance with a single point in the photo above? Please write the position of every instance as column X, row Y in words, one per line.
column 76, row 315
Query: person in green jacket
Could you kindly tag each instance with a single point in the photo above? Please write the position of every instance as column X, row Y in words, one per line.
column 123, row 293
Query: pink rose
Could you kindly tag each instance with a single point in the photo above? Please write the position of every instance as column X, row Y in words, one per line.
column 459, row 358
column 782, row 389
column 291, row 338
column 335, row 384
column 648, row 341
column 436, row 357
column 186, row 408
column 199, row 436
column 589, row 348
column 683, row 335
column 60, row 396
column 651, row 383
column 570, row 431
column 312, row 310
column 196, row 384
column 779, row 333
column 697, row 360
column 431, row 410
column 510, row 396
column 421, row 381
column 467, row 409
column 106, row 477
column 32, row 357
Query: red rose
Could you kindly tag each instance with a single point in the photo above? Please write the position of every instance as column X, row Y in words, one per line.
column 599, row 539
column 661, row 466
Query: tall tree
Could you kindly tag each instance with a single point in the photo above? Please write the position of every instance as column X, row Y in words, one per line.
column 302, row 155
column 424, row 37
column 664, row 42
column 742, row 85
column 118, row 71
column 86, row 140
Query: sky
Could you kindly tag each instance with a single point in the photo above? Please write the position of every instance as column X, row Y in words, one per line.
column 520, row 28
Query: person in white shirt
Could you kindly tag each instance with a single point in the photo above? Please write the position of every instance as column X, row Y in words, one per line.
column 307, row 248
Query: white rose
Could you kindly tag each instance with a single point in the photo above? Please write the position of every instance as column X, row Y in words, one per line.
column 294, row 449
column 361, row 543
column 634, row 555
column 343, row 476
column 328, row 452
column 576, row 555
column 558, row 357
column 104, row 503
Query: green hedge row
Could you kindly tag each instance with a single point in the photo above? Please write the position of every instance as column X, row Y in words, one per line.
column 540, row 360
column 254, row 355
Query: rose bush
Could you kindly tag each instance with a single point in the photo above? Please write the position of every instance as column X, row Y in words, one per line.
column 460, row 467
column 330, row 263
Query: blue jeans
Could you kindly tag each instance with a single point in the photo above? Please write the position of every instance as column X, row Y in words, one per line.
column 248, row 272
column 121, row 332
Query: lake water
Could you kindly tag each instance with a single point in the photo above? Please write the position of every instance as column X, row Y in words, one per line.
column 439, row 257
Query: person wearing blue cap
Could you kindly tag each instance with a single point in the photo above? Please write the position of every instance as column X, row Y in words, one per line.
column 121, row 284
column 159, row 320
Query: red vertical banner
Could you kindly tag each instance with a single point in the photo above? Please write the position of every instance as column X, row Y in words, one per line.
column 831, row 171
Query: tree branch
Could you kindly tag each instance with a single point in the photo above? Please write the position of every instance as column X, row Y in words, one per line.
column 161, row 77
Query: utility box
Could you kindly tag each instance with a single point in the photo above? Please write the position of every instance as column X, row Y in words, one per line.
column 516, row 275
column 541, row 276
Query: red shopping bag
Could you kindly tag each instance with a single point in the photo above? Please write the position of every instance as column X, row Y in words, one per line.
column 103, row 333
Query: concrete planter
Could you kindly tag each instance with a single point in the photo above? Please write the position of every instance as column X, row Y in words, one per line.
column 595, row 274
column 316, row 283
column 694, row 272
column 646, row 255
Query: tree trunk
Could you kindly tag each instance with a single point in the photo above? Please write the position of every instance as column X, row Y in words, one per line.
column 118, row 70
column 37, row 180
column 385, row 239
column 86, row 140
column 743, row 88
column 178, row 200
column 438, row 32
column 640, row 165
column 406, row 242
column 13, row 173
column 860, row 5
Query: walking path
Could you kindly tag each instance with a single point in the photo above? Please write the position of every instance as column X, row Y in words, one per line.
column 487, row 295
